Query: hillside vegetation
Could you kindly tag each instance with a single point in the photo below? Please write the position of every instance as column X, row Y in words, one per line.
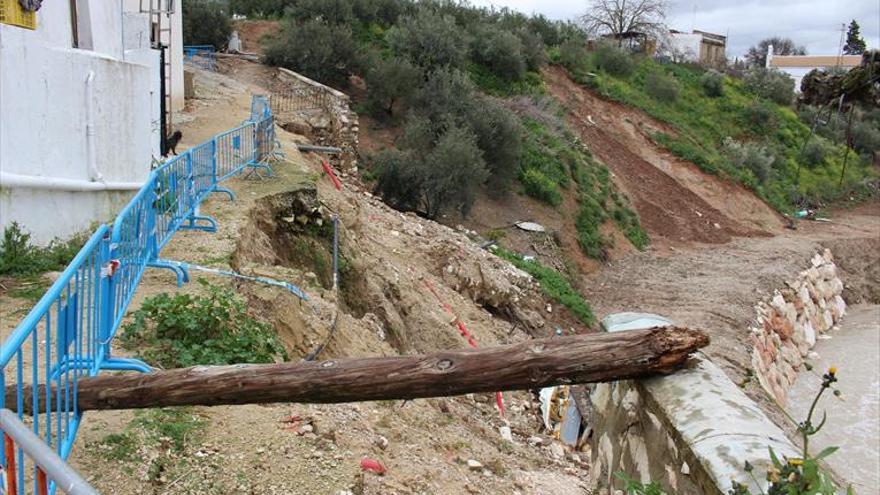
column 464, row 86
column 745, row 128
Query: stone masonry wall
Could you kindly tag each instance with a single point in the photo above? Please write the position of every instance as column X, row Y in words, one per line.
column 343, row 126
column 789, row 323
column 693, row 431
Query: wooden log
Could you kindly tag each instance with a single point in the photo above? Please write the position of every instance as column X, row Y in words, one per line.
column 527, row 365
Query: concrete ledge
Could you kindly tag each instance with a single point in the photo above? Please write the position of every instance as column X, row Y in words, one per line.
column 692, row 432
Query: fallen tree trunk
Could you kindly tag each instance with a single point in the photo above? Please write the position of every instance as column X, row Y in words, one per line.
column 527, row 365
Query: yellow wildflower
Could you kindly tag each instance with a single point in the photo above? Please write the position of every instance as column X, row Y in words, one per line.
column 832, row 370
column 796, row 462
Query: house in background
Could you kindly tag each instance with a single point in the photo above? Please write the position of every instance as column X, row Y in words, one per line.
column 81, row 110
column 699, row 47
column 798, row 66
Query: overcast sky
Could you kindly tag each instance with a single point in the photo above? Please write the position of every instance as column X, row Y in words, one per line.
column 812, row 23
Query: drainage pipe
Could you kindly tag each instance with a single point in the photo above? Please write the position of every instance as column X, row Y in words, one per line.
column 91, row 161
column 319, row 149
column 10, row 180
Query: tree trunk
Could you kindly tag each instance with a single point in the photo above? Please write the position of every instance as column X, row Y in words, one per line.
column 526, row 365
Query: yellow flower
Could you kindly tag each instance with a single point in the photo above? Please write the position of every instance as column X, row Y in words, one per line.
column 796, row 462
column 832, row 370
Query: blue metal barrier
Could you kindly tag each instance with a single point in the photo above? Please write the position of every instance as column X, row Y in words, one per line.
column 201, row 56
column 67, row 335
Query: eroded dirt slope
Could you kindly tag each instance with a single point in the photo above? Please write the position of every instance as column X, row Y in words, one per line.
column 393, row 266
column 677, row 202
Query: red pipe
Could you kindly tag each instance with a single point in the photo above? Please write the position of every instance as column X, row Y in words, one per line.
column 11, row 479
column 332, row 175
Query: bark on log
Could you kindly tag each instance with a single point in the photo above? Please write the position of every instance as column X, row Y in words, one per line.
column 528, row 365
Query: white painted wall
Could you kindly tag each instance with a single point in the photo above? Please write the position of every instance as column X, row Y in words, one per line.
column 43, row 120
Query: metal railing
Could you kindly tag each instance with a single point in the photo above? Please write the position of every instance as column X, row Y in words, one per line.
column 49, row 466
column 67, row 335
column 299, row 99
column 201, row 56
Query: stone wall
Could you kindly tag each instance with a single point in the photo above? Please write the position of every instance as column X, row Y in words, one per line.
column 342, row 124
column 789, row 323
column 691, row 432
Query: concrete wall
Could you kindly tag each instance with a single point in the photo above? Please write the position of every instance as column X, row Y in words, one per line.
column 691, row 432
column 47, row 179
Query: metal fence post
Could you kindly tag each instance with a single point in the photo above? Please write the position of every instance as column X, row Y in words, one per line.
column 105, row 303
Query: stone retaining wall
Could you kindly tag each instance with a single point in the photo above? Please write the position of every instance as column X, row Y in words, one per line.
column 693, row 431
column 343, row 125
column 789, row 323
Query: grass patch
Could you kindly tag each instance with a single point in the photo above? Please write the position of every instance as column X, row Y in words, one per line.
column 172, row 429
column 176, row 331
column 20, row 258
column 555, row 285
column 530, row 84
column 552, row 162
column 30, row 287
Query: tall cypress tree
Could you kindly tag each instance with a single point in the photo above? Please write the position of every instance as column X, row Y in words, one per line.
column 855, row 44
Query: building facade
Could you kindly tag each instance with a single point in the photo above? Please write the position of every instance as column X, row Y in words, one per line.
column 798, row 66
column 80, row 106
column 697, row 47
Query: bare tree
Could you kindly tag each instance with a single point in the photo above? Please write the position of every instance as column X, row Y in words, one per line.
column 757, row 55
column 616, row 17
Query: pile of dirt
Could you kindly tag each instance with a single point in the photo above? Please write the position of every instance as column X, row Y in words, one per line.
column 677, row 202
column 252, row 33
column 859, row 262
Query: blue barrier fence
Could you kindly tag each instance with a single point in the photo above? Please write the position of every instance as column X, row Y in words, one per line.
column 201, row 56
column 67, row 335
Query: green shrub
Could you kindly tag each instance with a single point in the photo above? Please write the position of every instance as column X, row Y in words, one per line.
column 429, row 39
column 772, row 84
column 554, row 285
column 499, row 50
column 390, row 82
column 533, row 50
column 573, row 55
column 713, row 83
column 499, row 136
column 538, row 186
column 185, row 330
column 750, row 156
column 324, row 52
column 662, row 87
column 206, row 22
column 453, row 172
column 397, row 180
column 447, row 94
column 19, row 257
column 760, row 118
column 589, row 219
column 814, row 153
column 613, row 60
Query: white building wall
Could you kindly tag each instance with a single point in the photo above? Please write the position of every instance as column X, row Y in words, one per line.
column 47, row 172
